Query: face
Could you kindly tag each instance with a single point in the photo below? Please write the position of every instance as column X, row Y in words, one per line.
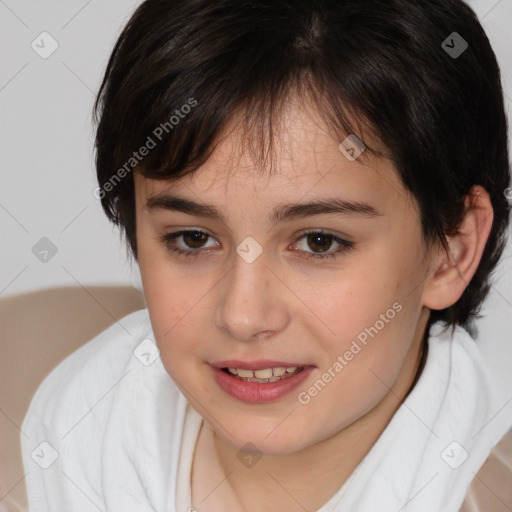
column 255, row 281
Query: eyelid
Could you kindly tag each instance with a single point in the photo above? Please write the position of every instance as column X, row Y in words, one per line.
column 173, row 235
column 301, row 233
column 334, row 234
column 345, row 244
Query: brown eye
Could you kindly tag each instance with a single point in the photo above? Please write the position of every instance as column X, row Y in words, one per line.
column 191, row 243
column 318, row 245
column 319, row 241
column 195, row 239
column 188, row 243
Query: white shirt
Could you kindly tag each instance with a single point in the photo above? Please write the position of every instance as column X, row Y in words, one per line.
column 108, row 430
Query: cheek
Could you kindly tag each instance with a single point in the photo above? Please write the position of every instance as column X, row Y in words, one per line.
column 170, row 299
column 353, row 301
column 172, row 306
column 369, row 317
column 166, row 290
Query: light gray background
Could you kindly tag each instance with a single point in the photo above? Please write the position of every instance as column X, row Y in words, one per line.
column 47, row 173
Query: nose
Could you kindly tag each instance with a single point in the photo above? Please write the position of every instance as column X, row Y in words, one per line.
column 252, row 302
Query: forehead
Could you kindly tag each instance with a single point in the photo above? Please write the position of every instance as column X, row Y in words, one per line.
column 303, row 162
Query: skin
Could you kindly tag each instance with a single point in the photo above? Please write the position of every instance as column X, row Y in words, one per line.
column 286, row 307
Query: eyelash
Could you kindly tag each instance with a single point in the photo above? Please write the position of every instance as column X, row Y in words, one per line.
column 345, row 245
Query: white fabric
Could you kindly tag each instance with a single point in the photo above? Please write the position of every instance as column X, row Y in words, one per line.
column 117, row 426
column 193, row 423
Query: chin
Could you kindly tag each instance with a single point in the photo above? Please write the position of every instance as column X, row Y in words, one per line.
column 263, row 437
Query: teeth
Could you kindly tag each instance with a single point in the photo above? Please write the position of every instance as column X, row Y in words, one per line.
column 245, row 373
column 265, row 374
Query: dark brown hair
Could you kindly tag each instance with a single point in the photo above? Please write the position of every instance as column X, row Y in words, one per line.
column 182, row 69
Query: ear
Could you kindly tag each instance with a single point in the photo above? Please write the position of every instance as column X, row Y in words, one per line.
column 453, row 269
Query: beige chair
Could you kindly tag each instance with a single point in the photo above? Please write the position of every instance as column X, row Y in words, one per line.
column 37, row 331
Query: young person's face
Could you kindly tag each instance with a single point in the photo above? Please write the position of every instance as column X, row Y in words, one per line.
column 354, row 321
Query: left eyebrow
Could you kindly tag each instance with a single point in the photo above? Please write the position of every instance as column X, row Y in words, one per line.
column 325, row 206
column 280, row 213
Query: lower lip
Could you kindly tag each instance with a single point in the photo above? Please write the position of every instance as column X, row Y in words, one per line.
column 257, row 392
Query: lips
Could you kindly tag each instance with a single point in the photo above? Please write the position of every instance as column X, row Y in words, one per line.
column 265, row 375
column 260, row 381
column 260, row 364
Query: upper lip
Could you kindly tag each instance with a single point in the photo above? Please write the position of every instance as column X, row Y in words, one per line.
column 260, row 364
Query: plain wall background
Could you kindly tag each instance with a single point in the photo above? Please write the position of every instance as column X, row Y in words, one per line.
column 47, row 173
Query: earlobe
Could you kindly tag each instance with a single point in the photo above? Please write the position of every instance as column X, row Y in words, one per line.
column 455, row 265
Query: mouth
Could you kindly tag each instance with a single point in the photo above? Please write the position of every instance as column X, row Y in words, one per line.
column 259, row 381
column 265, row 375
